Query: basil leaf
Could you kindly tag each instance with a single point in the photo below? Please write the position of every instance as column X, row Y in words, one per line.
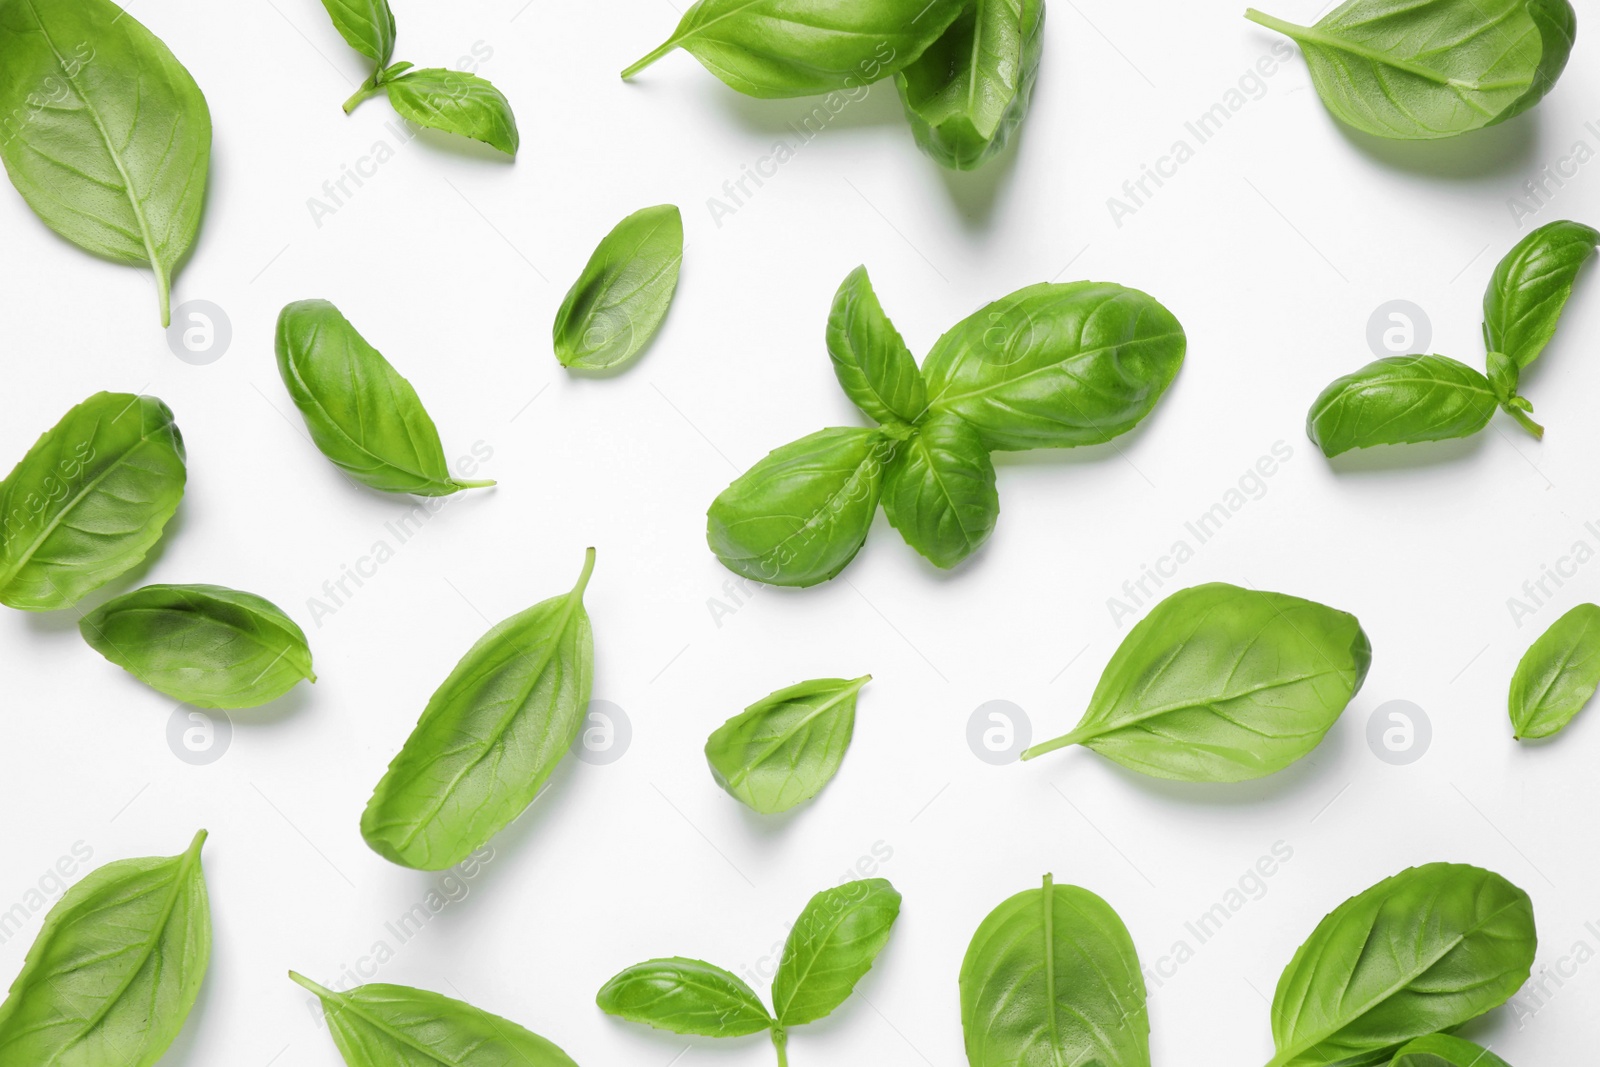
column 1055, row 366
column 785, row 747
column 1530, row 288
column 620, row 300
column 775, row 48
column 1051, row 976
column 455, row 102
column 116, row 968
column 489, row 738
column 396, row 1026
column 686, row 997
column 361, row 413
column 1401, row 400
column 1558, row 674
column 366, row 25
column 871, row 361
column 202, row 644
column 89, row 499
column 1223, row 684
column 831, row 947
column 970, row 90
column 1423, row 951
column 1442, row 1050
column 800, row 515
column 109, row 138
column 939, row 491
column 1436, row 68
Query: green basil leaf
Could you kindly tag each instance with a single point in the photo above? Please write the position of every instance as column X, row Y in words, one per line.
column 202, row 644
column 831, row 947
column 397, row 1026
column 785, row 747
column 1055, row 366
column 800, row 515
column 1557, row 675
column 1423, row 951
column 1052, row 977
column 775, row 48
column 1442, row 1050
column 1530, row 288
column 939, row 491
column 1504, row 377
column 1434, row 68
column 1401, row 400
column 969, row 91
column 686, row 997
column 489, row 738
column 871, row 361
column 362, row 414
column 620, row 300
column 89, row 499
column 116, row 968
column 1223, row 684
column 455, row 102
column 366, row 25
column 107, row 137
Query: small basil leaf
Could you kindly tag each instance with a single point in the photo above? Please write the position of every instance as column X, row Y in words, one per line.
column 1504, row 376
column 362, row 414
column 871, row 361
column 686, row 997
column 831, row 947
column 1056, row 366
column 785, row 747
column 366, row 25
column 1530, row 288
column 1051, row 977
column 89, row 499
column 109, row 138
column 1421, row 952
column 620, row 300
column 397, row 1026
column 1442, row 1050
column 800, row 515
column 116, row 968
column 939, row 491
column 1223, row 684
column 1401, row 400
column 969, row 91
column 489, row 738
column 455, row 102
column 1558, row 674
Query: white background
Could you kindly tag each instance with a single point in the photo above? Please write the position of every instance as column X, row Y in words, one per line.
column 1273, row 245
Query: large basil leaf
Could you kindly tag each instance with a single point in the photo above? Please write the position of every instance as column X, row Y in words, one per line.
column 362, row 414
column 1423, row 951
column 871, row 361
column 366, row 25
column 1530, row 287
column 785, row 747
column 89, row 499
column 455, row 102
column 397, row 1026
column 112, row 976
column 202, row 644
column 1442, row 1050
column 1401, row 400
column 1052, row 977
column 489, row 738
column 970, row 90
column 939, row 491
column 1433, row 68
column 780, row 48
column 1558, row 674
column 107, row 138
column 1054, row 366
column 1223, row 684
column 686, row 997
column 800, row 515
column 620, row 300
column 831, row 947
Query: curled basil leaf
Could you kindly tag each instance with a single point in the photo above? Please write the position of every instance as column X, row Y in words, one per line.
column 785, row 747
column 116, row 968
column 1223, row 684
column 202, row 644
column 489, row 738
column 686, row 997
column 1558, row 674
column 1530, row 287
column 871, row 361
column 1051, row 977
column 1421, row 952
column 831, row 947
column 620, row 300
column 939, row 491
column 1401, row 400
column 455, row 102
column 89, row 499
column 366, row 25
column 1442, row 1050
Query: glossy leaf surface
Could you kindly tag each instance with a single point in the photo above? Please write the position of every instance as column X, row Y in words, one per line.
column 785, row 747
